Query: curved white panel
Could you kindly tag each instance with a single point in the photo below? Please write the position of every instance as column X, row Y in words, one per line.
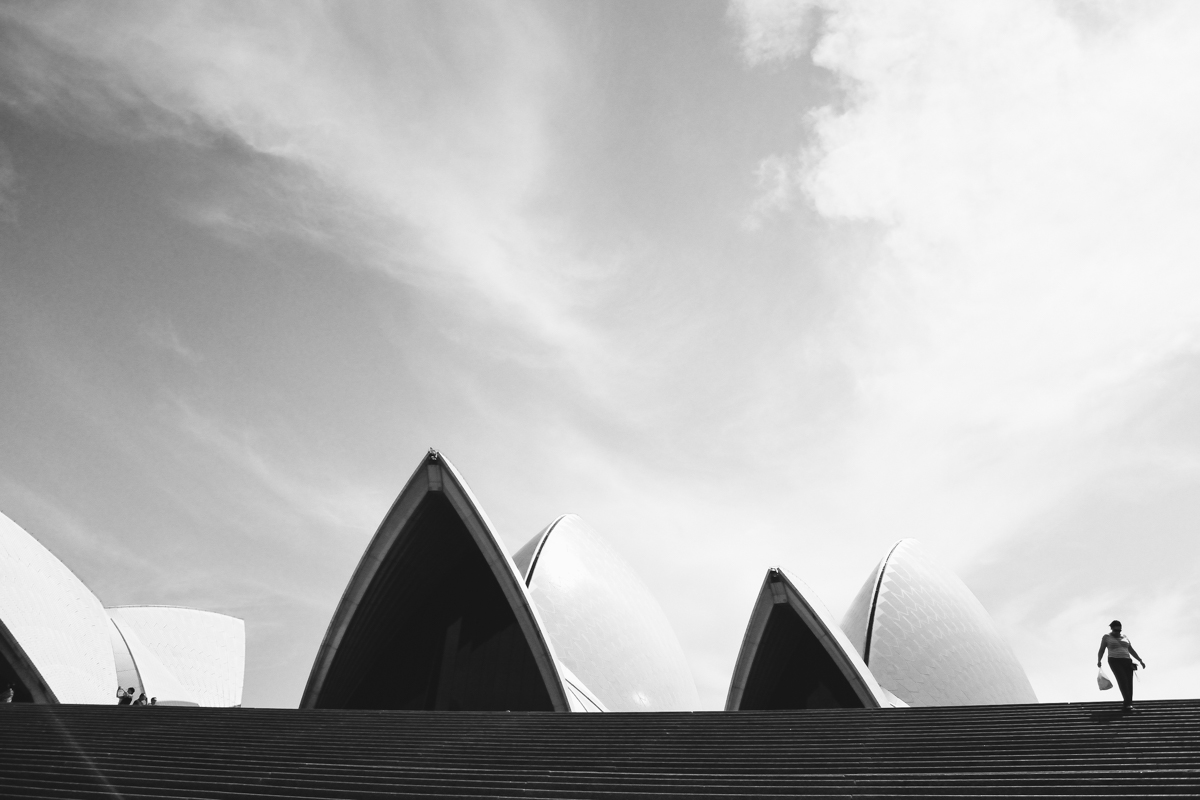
column 857, row 618
column 204, row 652
column 127, row 673
column 58, row 624
column 156, row 680
column 579, row 696
column 605, row 624
column 928, row 639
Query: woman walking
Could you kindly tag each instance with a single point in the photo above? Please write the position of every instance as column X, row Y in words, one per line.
column 1120, row 660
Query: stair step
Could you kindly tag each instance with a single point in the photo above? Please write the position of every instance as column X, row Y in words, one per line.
column 1050, row 750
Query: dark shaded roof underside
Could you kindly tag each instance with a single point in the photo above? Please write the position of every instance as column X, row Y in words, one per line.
column 434, row 631
column 793, row 670
column 794, row 656
column 17, row 669
column 435, row 616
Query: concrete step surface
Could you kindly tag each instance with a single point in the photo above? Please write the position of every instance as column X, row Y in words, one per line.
column 1048, row 750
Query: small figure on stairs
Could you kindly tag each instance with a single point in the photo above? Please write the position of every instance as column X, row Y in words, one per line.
column 1120, row 660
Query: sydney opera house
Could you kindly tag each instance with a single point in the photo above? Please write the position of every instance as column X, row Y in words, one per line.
column 438, row 615
column 441, row 632
column 59, row 644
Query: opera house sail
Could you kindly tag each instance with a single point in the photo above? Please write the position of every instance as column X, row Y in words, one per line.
column 185, row 656
column 438, row 616
column 54, row 639
column 435, row 616
column 794, row 656
column 58, row 644
column 928, row 639
column 603, row 621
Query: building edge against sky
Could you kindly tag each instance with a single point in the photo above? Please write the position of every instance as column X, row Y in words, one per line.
column 439, row 616
column 915, row 635
column 58, row 644
column 436, row 614
column 928, row 639
column 581, row 626
column 54, row 631
column 604, row 622
column 794, row 655
column 203, row 651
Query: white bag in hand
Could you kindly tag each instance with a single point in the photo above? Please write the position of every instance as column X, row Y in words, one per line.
column 1103, row 682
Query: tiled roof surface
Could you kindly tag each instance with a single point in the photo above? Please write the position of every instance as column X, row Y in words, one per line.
column 58, row 622
column 931, row 641
column 606, row 625
column 204, row 651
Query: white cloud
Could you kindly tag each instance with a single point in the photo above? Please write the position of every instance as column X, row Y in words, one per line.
column 776, row 186
column 1029, row 170
column 775, row 30
column 162, row 335
column 1035, row 185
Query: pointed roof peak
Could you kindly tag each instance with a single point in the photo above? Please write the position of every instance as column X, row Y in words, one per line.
column 434, row 529
column 811, row 627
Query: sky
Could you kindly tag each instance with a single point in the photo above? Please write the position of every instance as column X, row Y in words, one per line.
column 742, row 285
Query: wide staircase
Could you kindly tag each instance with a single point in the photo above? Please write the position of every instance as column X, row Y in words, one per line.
column 1078, row 750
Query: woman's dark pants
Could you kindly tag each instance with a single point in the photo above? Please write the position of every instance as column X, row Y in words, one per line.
column 1122, row 670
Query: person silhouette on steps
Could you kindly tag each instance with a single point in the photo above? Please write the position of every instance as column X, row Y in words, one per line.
column 1120, row 660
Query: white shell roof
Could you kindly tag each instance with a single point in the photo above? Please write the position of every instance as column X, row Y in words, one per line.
column 579, row 696
column 55, row 619
column 127, row 673
column 185, row 655
column 153, row 677
column 605, row 624
column 928, row 639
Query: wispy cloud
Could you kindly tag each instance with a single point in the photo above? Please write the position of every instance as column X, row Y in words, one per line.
column 777, row 187
column 162, row 335
column 292, row 490
column 8, row 187
column 59, row 529
column 420, row 153
column 775, row 30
